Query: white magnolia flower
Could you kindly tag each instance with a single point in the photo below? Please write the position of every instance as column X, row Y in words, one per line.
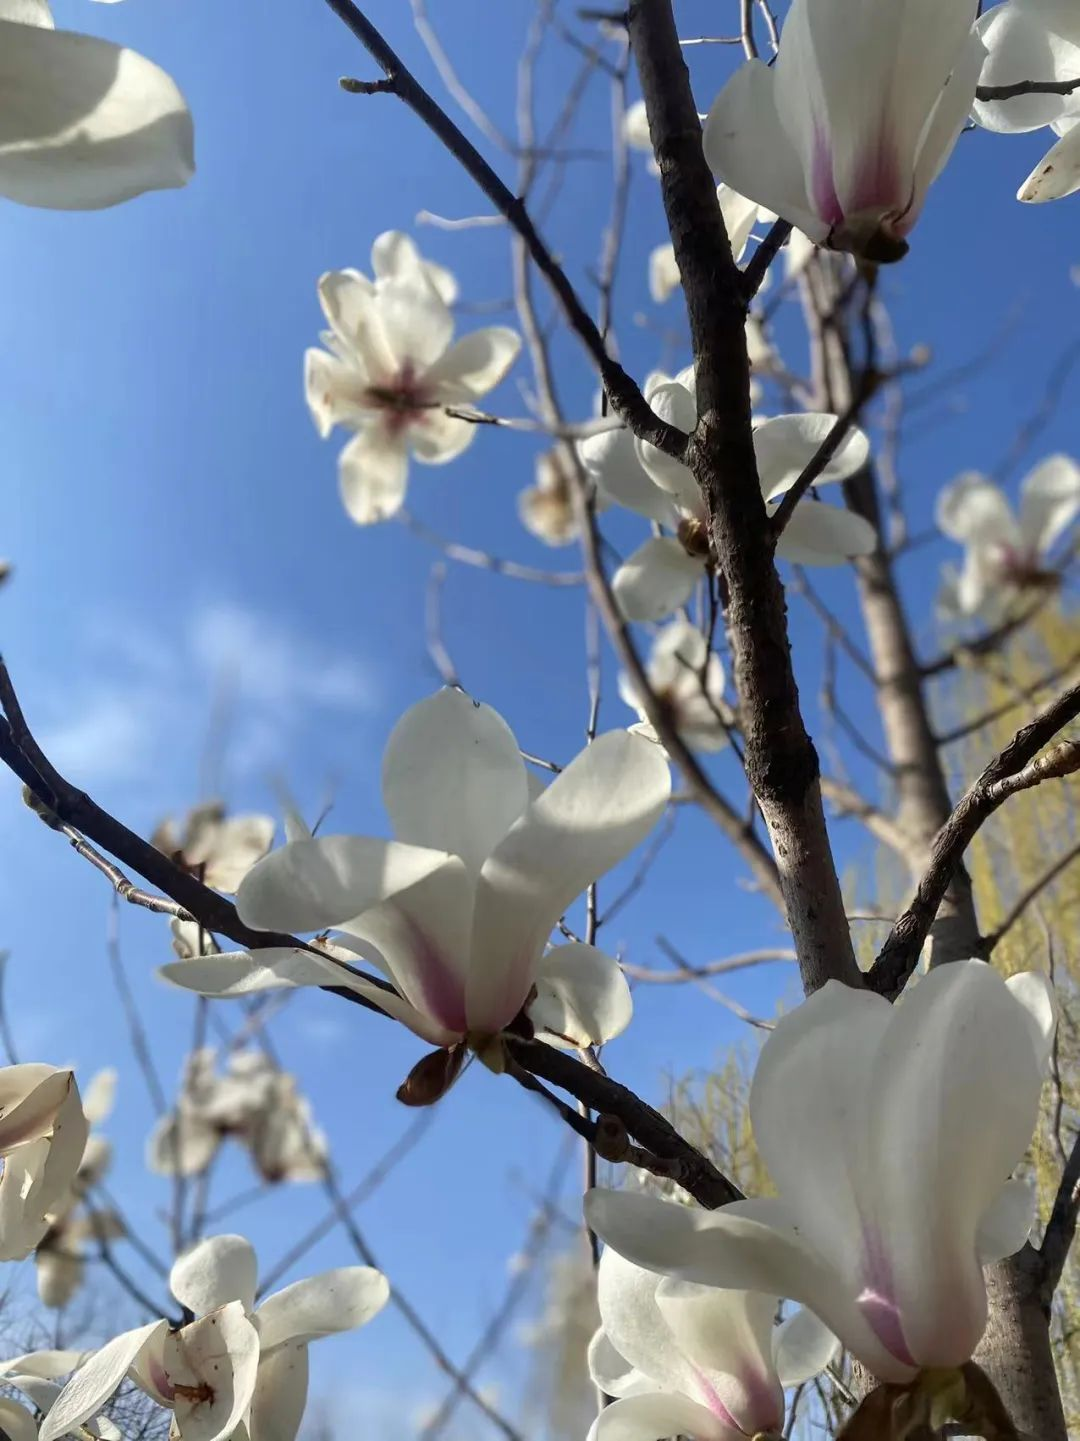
column 1035, row 40
column 689, row 1360
column 844, row 133
column 237, row 1369
column 83, row 123
column 458, row 909
column 219, row 849
column 389, row 370
column 661, row 575
column 547, row 508
column 636, row 132
column 688, row 681
column 42, row 1137
column 889, row 1133
column 284, row 1142
column 740, row 217
column 1005, row 554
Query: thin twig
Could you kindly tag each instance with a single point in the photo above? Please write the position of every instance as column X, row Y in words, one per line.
column 1030, row 895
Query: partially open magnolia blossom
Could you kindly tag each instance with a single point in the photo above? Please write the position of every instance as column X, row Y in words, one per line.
column 889, row 1133
column 253, row 1102
column 238, row 1369
column 42, row 1138
column 84, row 123
column 660, row 575
column 390, row 370
column 547, row 508
column 1006, row 555
column 1035, row 40
column 688, row 681
column 844, row 133
column 689, row 1360
column 457, row 910
column 218, row 848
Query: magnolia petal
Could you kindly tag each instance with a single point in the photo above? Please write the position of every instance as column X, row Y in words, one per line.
column 181, row 1145
column 474, row 364
column 65, row 1148
column 786, row 444
column 591, row 816
column 1035, row 994
column 664, row 274
column 45, row 1364
column 947, row 119
column 341, row 1300
column 802, row 1346
column 30, row 1098
column 674, row 403
column 315, row 884
column 27, row 12
column 748, row 147
column 819, row 534
column 957, row 1071
column 1057, row 173
column 96, row 1380
column 452, row 777
column 86, row 124
column 656, row 580
column 637, row 1333
column 659, row 1413
column 974, row 511
column 611, row 459
column 1049, row 501
column 58, row 1277
column 436, row 438
column 373, row 471
column 214, row 1272
column 238, row 843
column 277, row 1407
column 415, row 320
column 740, row 217
column 99, row 1096
column 582, row 998
column 609, row 1368
column 243, row 973
column 1006, row 1223
column 218, row 1354
column 1021, row 45
column 348, row 302
column 16, row 1422
column 394, row 255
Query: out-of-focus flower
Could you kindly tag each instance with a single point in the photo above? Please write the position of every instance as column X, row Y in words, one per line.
column 688, row 1360
column 843, row 134
column 217, row 848
column 83, row 123
column 458, row 909
column 688, row 682
column 740, row 217
column 42, row 1138
column 1005, row 555
column 389, row 372
column 889, row 1133
column 636, row 132
column 547, row 508
column 1035, row 40
column 660, row 575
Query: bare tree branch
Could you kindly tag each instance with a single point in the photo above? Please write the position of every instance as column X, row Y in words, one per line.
column 1031, row 894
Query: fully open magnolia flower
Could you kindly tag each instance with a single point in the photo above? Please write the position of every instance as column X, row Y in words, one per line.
column 661, row 575
column 844, row 133
column 237, row 1365
column 219, row 849
column 390, row 370
column 83, row 123
column 1005, row 555
column 689, row 1360
column 889, row 1133
column 1035, row 40
column 457, row 910
column 688, row 681
column 42, row 1138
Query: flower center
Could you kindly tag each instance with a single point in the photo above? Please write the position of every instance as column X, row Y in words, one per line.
column 401, row 400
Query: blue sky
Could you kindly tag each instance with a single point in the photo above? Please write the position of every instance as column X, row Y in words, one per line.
column 180, row 550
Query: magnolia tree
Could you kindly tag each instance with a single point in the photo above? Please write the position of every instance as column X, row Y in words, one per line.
column 892, row 1271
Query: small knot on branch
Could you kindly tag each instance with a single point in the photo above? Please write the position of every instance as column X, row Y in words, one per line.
column 386, row 86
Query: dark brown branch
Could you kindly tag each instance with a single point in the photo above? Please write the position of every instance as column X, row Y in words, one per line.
column 1061, row 1227
column 1017, row 768
column 1033, row 892
column 757, row 267
column 626, row 399
column 1026, row 87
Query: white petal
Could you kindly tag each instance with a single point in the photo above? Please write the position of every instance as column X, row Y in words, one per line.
column 1057, row 173
column 99, row 1096
column 590, row 817
column 277, row 1407
column 474, row 364
column 802, row 1347
column 452, row 777
column 435, row 438
column 1006, row 1223
column 659, row 1413
column 348, row 302
column 636, row 1330
column 310, row 885
column 181, row 1145
column 664, row 276
column 746, row 146
column 93, row 1383
column 819, row 534
column 59, row 1276
column 956, row 1094
column 740, row 217
column 609, row 1368
column 947, row 120
column 214, row 1272
column 582, row 997
column 675, row 404
column 973, row 511
column 341, row 1300
column 1049, row 500
column 239, row 842
column 1037, row 999
column 27, row 12
column 611, row 459
column 373, row 471
column 86, row 124
column 1022, row 46
column 30, row 1098
column 657, row 579
column 47, row 1364
column 393, row 253
column 219, row 1352
column 16, row 1422
column 786, row 444
column 415, row 321
column 636, row 127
